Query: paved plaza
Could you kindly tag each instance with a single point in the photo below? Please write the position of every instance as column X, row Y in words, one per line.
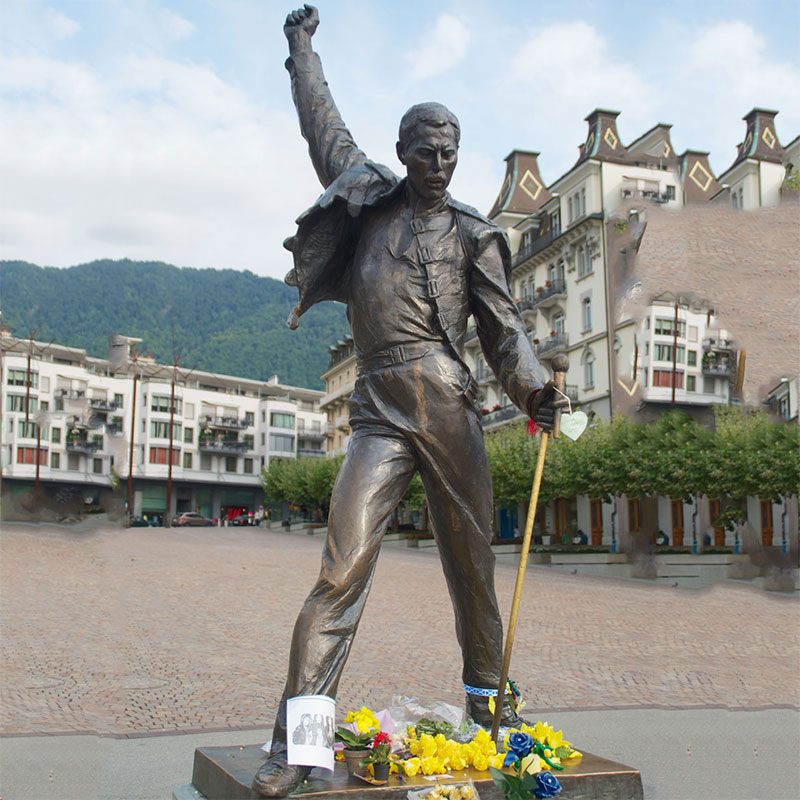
column 129, row 632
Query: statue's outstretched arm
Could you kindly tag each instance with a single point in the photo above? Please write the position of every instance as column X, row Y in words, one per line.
column 330, row 144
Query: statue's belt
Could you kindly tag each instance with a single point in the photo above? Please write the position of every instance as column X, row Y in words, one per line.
column 396, row 355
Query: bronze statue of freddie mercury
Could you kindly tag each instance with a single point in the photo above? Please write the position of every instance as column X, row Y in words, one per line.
column 412, row 265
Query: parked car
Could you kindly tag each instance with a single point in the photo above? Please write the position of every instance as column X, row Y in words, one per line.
column 191, row 518
column 141, row 522
column 243, row 519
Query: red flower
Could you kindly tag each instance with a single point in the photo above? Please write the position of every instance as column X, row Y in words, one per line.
column 381, row 738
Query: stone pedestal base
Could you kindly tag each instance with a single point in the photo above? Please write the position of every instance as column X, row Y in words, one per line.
column 225, row 773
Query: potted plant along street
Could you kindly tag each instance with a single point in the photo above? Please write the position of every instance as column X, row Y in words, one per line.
column 379, row 756
column 356, row 748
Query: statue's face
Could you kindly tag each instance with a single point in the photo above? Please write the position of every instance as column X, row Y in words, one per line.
column 430, row 158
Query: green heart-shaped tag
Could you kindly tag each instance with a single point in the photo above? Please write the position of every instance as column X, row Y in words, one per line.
column 574, row 424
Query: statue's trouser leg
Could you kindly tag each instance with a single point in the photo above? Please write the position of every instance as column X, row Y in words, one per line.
column 455, row 472
column 373, row 479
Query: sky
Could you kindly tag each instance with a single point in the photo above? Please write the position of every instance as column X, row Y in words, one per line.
column 165, row 130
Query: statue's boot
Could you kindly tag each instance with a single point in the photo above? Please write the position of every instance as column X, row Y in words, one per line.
column 478, row 709
column 277, row 778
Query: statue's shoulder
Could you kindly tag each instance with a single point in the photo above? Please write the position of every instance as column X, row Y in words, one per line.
column 473, row 216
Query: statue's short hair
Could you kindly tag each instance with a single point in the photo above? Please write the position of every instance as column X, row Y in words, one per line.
column 434, row 115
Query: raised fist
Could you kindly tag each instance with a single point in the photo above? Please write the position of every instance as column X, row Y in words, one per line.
column 303, row 19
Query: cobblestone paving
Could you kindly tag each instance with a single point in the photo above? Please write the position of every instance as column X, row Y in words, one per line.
column 141, row 631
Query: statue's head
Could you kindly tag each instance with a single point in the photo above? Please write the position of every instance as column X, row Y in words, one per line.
column 428, row 147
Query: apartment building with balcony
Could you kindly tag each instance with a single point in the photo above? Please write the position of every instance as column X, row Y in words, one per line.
column 340, row 378
column 70, row 420
column 584, row 290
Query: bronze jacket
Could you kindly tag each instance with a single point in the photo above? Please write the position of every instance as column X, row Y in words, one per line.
column 327, row 234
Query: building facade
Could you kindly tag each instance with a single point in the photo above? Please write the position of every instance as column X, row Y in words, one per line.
column 340, row 378
column 81, row 424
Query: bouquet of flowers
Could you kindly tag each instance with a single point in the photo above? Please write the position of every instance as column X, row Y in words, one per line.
column 531, row 780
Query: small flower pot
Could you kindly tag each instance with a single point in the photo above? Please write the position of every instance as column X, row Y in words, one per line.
column 352, row 759
column 381, row 772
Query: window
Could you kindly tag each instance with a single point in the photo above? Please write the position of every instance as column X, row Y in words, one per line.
column 248, row 466
column 555, row 223
column 279, row 420
column 19, row 377
column 55, row 460
column 188, row 410
column 205, row 461
column 44, row 405
column 249, row 418
column 570, row 214
column 230, row 463
column 666, row 327
column 55, row 435
column 160, row 455
column 663, row 377
column 559, row 323
column 187, row 460
column 783, row 407
column 160, row 430
column 16, row 402
column 691, row 383
column 263, row 439
column 669, row 194
column 249, row 443
column 27, row 430
column 160, row 403
column 118, row 398
column 188, row 435
column 588, row 371
column 264, row 413
column 691, row 357
column 583, row 201
column 586, row 312
column 663, row 352
column 73, row 461
column 693, row 333
column 97, row 465
column 27, row 455
column 281, row 443
column 709, row 385
column 584, row 261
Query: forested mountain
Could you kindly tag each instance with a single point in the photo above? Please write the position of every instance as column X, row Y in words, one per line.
column 226, row 321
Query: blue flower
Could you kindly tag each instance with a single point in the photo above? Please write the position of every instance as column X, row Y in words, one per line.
column 547, row 784
column 519, row 745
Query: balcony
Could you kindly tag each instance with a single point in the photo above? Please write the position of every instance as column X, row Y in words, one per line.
column 315, row 434
column 307, row 452
column 343, row 423
column 222, row 446
column 500, row 415
column 716, row 345
column 82, row 446
column 102, row 404
column 536, row 246
column 68, row 394
column 721, row 366
column 113, row 428
column 223, row 423
column 550, row 293
column 553, row 345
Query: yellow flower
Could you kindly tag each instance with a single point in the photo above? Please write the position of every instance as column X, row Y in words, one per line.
column 491, row 705
column 458, row 762
column 428, row 746
column 415, row 747
column 411, row 767
column 480, row 762
column 411, row 732
column 365, row 720
column 497, row 761
column 431, row 766
column 575, row 754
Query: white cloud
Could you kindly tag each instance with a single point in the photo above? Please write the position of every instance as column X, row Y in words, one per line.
column 176, row 26
column 60, row 25
column 154, row 159
column 441, row 48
